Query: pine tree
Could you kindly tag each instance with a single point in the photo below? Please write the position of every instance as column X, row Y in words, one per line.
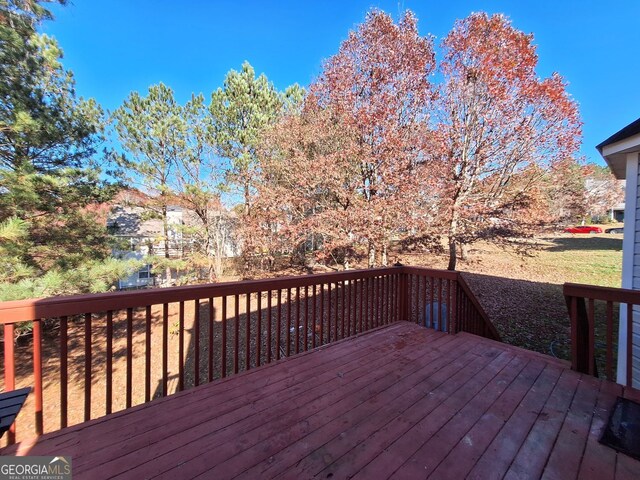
column 240, row 112
column 153, row 132
column 50, row 185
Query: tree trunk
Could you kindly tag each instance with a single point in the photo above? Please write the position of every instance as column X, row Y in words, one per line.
column 165, row 228
column 453, row 232
column 464, row 251
column 208, row 250
column 384, row 256
column 211, row 272
column 246, row 198
column 371, row 262
column 452, row 253
column 217, row 266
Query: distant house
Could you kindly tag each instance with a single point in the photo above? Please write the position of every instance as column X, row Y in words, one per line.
column 605, row 196
column 617, row 212
column 622, row 153
column 139, row 233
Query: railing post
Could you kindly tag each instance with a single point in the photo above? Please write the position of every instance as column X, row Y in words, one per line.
column 454, row 305
column 579, row 334
column 9, row 371
column 37, row 374
column 404, row 295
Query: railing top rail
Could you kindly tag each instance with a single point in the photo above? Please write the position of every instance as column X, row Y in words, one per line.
column 445, row 274
column 32, row 309
column 608, row 294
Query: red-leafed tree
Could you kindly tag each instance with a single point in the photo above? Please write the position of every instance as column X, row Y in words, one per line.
column 347, row 168
column 499, row 126
column 376, row 152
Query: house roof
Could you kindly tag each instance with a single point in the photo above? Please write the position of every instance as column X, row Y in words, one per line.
column 632, row 129
column 615, row 148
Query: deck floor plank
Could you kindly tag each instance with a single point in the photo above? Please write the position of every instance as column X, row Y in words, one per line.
column 428, row 451
column 339, row 445
column 536, row 448
column 282, row 457
column 599, row 460
column 481, row 432
column 566, row 456
column 424, row 416
column 303, row 414
column 206, row 432
column 468, row 458
column 234, row 400
column 399, row 401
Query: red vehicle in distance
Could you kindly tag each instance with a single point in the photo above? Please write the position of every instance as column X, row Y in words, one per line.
column 583, row 229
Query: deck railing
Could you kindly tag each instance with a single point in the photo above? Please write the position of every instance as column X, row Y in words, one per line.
column 90, row 355
column 595, row 314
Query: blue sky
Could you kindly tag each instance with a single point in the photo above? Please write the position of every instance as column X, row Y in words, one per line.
column 116, row 46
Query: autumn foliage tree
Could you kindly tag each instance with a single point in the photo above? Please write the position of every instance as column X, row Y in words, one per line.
column 499, row 125
column 348, row 166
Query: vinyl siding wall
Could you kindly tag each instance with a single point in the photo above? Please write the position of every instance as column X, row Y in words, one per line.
column 631, row 268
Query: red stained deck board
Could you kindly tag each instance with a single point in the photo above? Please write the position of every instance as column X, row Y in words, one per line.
column 327, row 423
column 303, row 463
column 536, row 448
column 496, row 459
column 355, row 421
column 480, row 434
column 566, row 457
column 233, row 398
column 269, row 428
column 207, row 431
column 397, row 440
column 380, row 404
column 599, row 460
column 627, row 468
column 411, row 444
column 418, row 452
column 631, row 393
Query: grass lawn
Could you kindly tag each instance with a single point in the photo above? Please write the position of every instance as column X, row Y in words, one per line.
column 522, row 294
column 594, row 260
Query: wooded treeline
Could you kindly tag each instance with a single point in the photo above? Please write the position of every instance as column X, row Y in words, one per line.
column 397, row 141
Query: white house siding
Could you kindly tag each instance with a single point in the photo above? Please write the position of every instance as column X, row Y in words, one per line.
column 631, row 269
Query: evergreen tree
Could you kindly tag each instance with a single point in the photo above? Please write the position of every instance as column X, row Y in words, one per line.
column 153, row 131
column 50, row 186
column 240, row 111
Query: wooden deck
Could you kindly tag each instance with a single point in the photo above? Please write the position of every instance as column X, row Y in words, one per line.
column 398, row 402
